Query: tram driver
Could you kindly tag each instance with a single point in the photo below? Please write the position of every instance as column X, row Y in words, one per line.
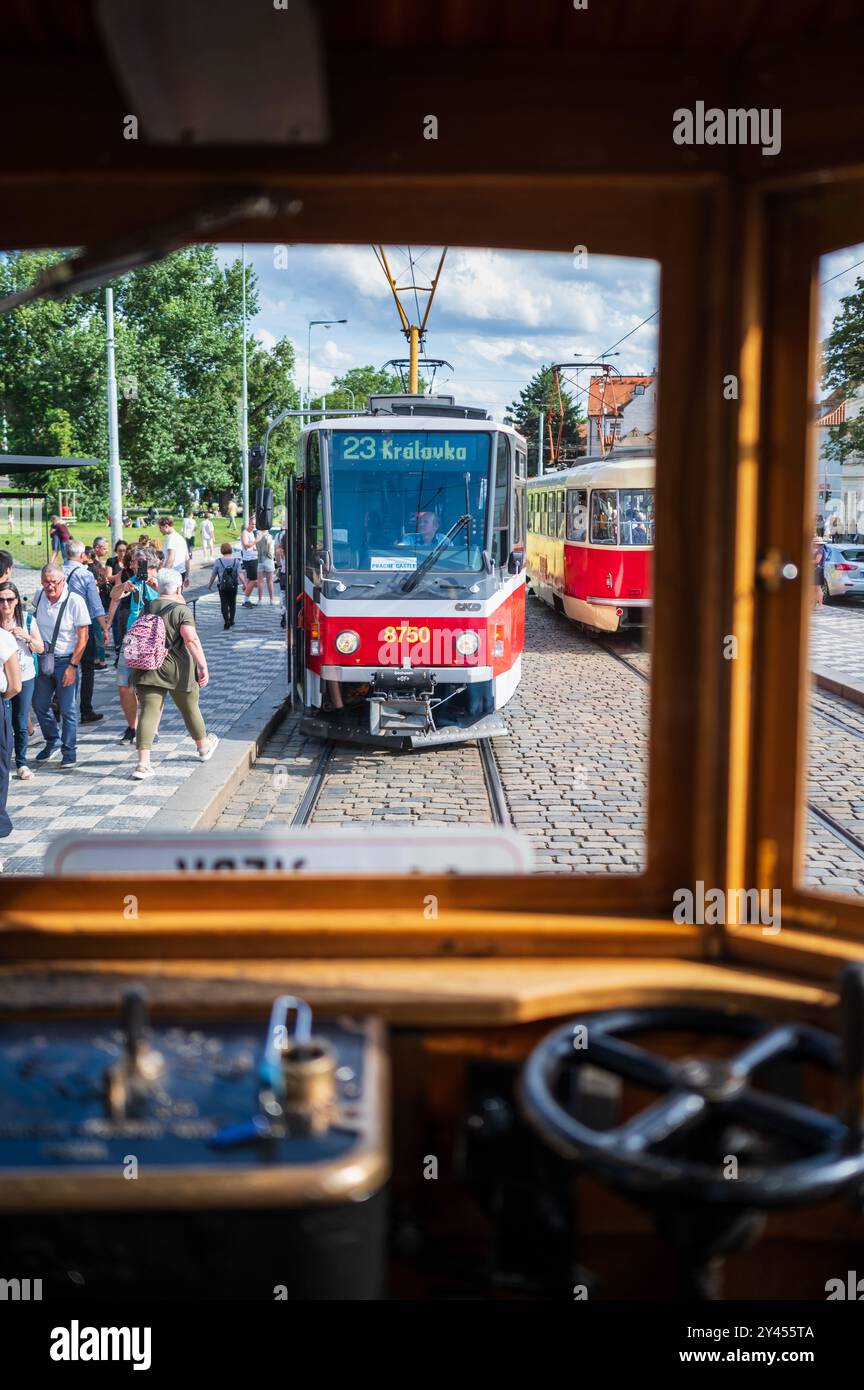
column 427, row 533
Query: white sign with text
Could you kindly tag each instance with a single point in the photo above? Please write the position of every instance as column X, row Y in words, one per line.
column 278, row 849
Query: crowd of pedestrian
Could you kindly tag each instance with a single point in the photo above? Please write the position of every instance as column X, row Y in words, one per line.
column 92, row 601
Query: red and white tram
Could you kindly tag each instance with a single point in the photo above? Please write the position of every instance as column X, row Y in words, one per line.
column 407, row 582
column 590, row 538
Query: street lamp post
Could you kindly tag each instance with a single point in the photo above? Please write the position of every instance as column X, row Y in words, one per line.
column 115, row 485
column 315, row 323
column 244, row 405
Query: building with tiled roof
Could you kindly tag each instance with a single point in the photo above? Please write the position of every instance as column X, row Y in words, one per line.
column 622, row 410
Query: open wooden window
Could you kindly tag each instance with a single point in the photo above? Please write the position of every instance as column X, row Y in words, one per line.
column 793, row 830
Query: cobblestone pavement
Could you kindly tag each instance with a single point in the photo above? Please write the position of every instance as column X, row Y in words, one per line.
column 573, row 768
column 836, row 770
column 370, row 785
column 99, row 794
column 573, row 776
column 836, row 786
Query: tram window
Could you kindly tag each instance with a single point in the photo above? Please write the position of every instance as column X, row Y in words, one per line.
column 314, row 509
column 559, row 515
column 577, row 514
column 519, row 517
column 604, row 516
column 831, row 853
column 501, row 507
column 636, row 509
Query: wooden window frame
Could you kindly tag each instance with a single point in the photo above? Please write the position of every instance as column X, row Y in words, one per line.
column 791, row 228
column 691, row 226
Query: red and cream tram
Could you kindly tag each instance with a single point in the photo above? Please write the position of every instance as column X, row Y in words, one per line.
column 407, row 586
column 590, row 538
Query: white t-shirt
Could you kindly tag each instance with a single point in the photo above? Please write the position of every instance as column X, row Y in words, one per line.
column 189, row 528
column 25, row 655
column 8, row 645
column 249, row 552
column 207, row 532
column 75, row 615
column 176, row 552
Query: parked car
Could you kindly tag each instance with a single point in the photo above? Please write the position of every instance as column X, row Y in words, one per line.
column 844, row 571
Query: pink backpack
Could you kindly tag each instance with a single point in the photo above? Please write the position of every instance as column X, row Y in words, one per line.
column 145, row 645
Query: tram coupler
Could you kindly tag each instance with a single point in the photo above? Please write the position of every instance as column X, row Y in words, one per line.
column 400, row 702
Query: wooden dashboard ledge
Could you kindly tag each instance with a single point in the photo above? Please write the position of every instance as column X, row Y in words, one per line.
column 419, row 992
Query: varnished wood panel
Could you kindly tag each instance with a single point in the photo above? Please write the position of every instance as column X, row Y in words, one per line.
column 429, row 992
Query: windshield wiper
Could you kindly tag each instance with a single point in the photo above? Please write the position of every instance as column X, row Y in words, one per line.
column 414, row 578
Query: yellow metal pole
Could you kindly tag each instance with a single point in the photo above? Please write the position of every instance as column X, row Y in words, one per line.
column 414, row 359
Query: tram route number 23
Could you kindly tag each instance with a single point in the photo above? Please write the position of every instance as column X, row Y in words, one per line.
column 404, row 633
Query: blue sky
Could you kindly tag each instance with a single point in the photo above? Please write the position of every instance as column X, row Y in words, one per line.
column 497, row 316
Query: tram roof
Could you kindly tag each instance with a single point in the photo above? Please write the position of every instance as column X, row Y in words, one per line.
column 620, row 470
column 448, row 423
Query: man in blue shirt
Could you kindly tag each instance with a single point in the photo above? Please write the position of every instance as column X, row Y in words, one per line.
column 79, row 580
column 427, row 533
column 141, row 591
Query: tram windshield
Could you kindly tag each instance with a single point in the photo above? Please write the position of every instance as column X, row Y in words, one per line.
column 394, row 495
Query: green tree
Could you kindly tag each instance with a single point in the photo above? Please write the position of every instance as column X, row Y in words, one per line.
column 540, row 395
column 272, row 390
column 178, row 334
column 52, row 368
column 363, row 382
column 843, row 370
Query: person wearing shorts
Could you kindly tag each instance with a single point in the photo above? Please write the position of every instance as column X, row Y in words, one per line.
column 249, row 557
column 266, row 565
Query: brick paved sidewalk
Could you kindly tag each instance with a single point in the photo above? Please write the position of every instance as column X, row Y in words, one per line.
column 837, row 642
column 100, row 793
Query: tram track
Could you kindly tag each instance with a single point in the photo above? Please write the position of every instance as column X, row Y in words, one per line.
column 494, row 787
column 311, row 795
column 847, row 837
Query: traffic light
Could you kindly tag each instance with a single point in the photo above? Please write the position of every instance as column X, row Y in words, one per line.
column 264, row 508
column 256, row 456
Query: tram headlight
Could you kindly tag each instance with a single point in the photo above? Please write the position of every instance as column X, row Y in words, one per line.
column 347, row 642
column 467, row 643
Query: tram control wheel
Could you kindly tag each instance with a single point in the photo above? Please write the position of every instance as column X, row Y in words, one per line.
column 669, row 1157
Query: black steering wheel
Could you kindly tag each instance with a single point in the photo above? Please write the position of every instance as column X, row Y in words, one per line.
column 661, row 1150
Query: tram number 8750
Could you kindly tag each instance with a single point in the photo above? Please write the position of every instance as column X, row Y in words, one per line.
column 404, row 633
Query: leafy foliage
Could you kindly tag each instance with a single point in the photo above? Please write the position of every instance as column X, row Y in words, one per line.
column 843, row 370
column 178, row 348
column 363, row 382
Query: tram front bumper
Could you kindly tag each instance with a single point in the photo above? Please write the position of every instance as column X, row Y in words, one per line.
column 350, row 730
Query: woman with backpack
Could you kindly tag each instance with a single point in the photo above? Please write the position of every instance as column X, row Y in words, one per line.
column 133, row 590
column 226, row 576
column 165, row 657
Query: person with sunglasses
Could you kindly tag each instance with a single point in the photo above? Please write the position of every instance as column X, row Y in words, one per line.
column 10, row 686
column 25, row 631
